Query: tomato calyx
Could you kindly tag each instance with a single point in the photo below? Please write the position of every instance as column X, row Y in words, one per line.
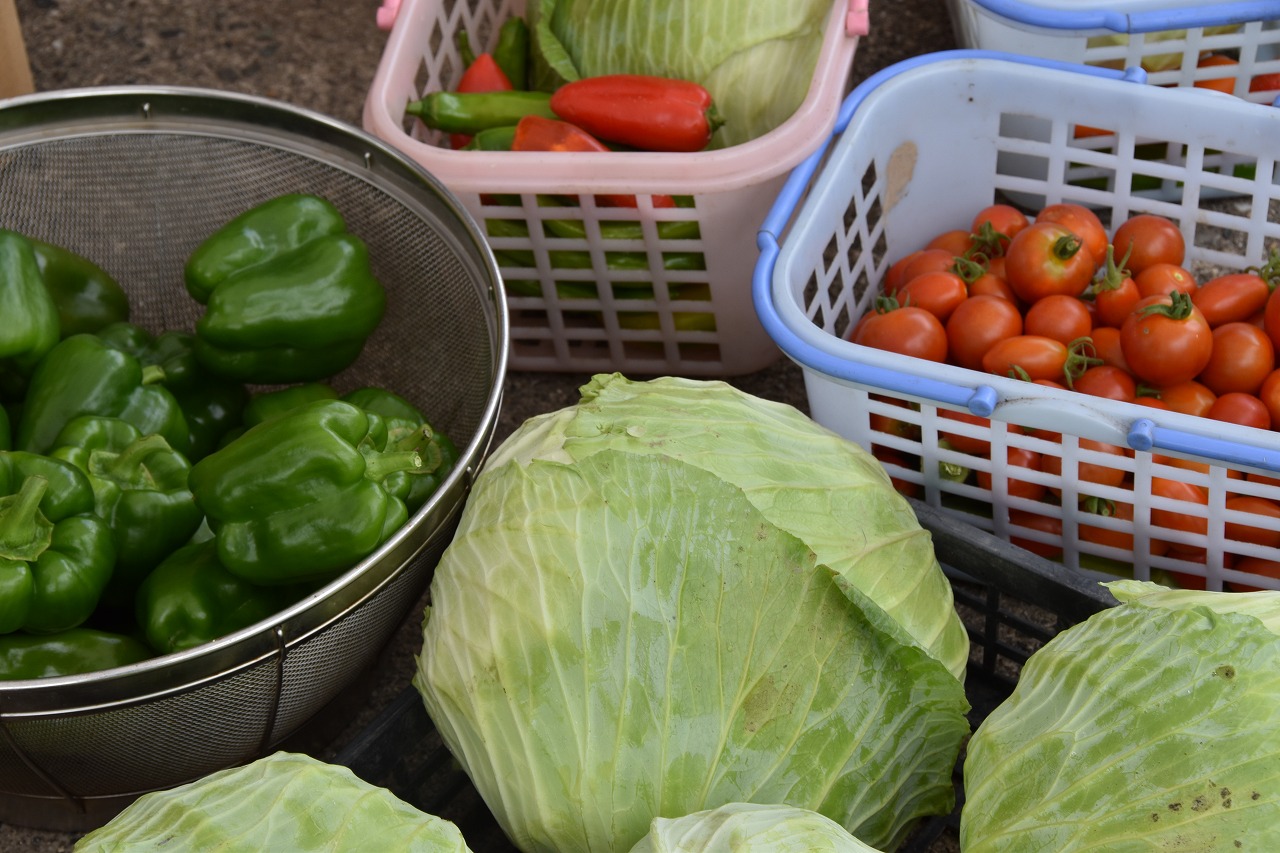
column 972, row 266
column 1179, row 307
column 952, row 472
column 1270, row 271
column 988, row 241
column 1113, row 274
column 1066, row 247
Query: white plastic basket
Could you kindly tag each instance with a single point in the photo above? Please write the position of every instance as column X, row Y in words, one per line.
column 1166, row 37
column 684, row 306
column 918, row 149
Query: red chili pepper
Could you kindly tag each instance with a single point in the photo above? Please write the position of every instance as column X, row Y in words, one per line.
column 535, row 133
column 643, row 111
column 482, row 75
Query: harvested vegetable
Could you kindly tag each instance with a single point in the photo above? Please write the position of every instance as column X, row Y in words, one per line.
column 1149, row 726
column 749, row 828
column 285, row 801
column 643, row 111
column 673, row 596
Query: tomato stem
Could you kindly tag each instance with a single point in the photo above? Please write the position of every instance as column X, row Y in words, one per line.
column 1179, row 307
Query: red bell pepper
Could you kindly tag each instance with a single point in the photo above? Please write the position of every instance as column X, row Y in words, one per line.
column 482, row 75
column 535, row 133
column 642, row 111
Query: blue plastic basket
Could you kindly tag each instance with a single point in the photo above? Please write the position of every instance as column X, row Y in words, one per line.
column 918, row 148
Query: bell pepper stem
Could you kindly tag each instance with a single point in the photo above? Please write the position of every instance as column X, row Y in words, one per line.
column 124, row 463
column 152, row 374
column 380, row 466
column 23, row 536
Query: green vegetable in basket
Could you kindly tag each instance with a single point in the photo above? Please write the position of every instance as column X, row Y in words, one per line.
column 758, row 67
column 289, row 293
column 749, row 828
column 56, row 555
column 284, row 801
column 191, row 599
column 83, row 375
column 1150, row 726
column 75, row 651
column 139, row 487
column 473, row 112
column 271, row 404
column 87, row 297
column 305, row 494
column 674, row 595
column 29, row 324
column 409, row 430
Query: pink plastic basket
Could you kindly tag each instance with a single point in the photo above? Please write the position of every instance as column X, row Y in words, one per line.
column 571, row 309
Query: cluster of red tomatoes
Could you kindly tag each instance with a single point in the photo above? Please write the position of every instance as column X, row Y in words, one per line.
column 1055, row 299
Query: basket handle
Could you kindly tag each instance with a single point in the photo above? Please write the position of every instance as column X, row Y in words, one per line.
column 857, row 19
column 1156, row 20
column 1145, row 434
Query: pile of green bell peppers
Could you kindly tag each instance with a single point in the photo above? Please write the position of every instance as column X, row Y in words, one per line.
column 162, row 488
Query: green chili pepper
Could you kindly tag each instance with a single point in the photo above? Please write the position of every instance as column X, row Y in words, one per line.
column 28, row 315
column 140, row 488
column 86, row 296
column 408, row 429
column 210, row 404
column 512, row 51
column 304, row 495
column 465, row 52
column 75, row 651
column 56, row 555
column 289, row 293
column 191, row 599
column 492, row 139
column 472, row 112
column 272, row 404
column 83, row 375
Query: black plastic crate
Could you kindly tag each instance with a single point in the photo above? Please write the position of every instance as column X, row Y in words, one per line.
column 1011, row 601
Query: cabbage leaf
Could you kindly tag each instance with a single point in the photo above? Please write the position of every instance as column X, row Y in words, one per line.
column 749, row 828
column 1150, row 726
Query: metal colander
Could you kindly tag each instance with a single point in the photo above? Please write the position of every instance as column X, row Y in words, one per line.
column 134, row 178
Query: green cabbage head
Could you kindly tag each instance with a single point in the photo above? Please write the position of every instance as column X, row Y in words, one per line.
column 1153, row 725
column 749, row 828
column 284, row 801
column 757, row 58
column 667, row 598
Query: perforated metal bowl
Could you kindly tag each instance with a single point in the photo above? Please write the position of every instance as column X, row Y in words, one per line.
column 134, row 178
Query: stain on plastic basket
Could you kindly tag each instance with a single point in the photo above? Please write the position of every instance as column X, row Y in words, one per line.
column 902, row 166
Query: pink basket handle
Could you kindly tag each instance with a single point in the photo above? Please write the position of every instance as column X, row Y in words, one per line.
column 387, row 13
column 857, row 20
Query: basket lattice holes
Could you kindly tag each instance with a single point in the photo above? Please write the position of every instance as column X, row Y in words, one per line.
column 1127, row 522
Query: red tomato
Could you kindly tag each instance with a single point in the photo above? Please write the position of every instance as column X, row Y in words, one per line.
column 956, row 241
column 1166, row 339
column 976, row 325
column 1189, row 397
column 1271, row 317
column 1115, row 293
column 1226, row 85
column 1162, row 278
column 1098, row 473
column 906, row 330
column 1027, row 357
column 1148, row 239
column 990, row 284
column 1241, row 359
column 1260, row 566
column 1059, row 316
column 1175, row 519
column 1106, row 346
column 1265, row 531
column 1231, row 298
column 887, row 456
column 937, row 291
column 1109, row 381
column 1269, row 394
column 1017, row 457
column 1237, row 407
column 1192, row 465
column 1046, row 524
column 1045, row 258
column 995, row 225
column 1121, row 540
column 1265, row 83
column 1082, row 222
column 895, row 276
column 966, row 443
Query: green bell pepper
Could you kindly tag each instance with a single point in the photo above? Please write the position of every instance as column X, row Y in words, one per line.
column 139, row 487
column 86, row 296
column 190, row 599
column 56, row 555
column 211, row 405
column 271, row 404
column 28, row 316
column 407, row 429
column 74, row 651
column 83, row 375
column 6, row 435
column 303, row 495
column 289, row 293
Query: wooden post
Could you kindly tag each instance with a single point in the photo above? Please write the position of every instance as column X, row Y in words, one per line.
column 15, row 68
